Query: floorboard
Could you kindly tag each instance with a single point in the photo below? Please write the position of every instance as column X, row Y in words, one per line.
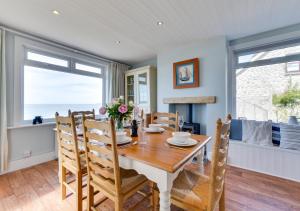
column 37, row 188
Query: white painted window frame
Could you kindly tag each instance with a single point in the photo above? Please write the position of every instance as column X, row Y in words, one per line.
column 233, row 54
column 23, row 45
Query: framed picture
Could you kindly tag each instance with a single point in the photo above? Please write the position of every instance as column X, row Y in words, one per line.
column 186, row 74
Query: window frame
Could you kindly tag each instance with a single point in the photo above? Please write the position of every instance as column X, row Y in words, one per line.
column 233, row 65
column 23, row 45
column 292, row 72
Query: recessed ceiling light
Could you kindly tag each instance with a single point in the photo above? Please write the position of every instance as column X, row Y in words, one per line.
column 118, row 41
column 55, row 12
column 159, row 23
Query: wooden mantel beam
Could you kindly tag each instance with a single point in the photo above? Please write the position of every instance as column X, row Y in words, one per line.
column 190, row 100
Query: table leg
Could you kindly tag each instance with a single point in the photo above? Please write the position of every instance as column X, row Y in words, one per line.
column 165, row 201
column 165, row 186
column 200, row 160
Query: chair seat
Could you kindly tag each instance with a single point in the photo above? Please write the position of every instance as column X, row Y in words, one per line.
column 130, row 180
column 191, row 188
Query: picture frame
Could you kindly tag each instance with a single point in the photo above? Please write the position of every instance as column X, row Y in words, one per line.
column 186, row 74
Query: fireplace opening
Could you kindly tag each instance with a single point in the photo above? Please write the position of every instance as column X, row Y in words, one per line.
column 186, row 110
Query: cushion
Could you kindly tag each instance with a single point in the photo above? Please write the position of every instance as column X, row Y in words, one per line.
column 290, row 136
column 276, row 133
column 236, row 129
column 257, row 132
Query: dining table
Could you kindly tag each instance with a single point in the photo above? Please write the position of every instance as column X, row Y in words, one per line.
column 151, row 155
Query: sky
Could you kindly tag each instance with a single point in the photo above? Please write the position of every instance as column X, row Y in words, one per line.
column 43, row 86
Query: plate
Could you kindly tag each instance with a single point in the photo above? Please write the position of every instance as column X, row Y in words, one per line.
column 148, row 130
column 189, row 142
column 126, row 140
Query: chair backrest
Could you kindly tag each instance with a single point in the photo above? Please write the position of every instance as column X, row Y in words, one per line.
column 219, row 161
column 101, row 155
column 78, row 115
column 168, row 120
column 67, row 139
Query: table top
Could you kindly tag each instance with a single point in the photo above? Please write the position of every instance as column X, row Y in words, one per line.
column 152, row 149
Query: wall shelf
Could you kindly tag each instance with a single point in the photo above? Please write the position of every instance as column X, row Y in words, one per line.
column 190, row 100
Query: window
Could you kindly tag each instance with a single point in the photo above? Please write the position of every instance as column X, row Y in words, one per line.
column 46, row 59
column 263, row 78
column 88, row 68
column 52, row 85
column 293, row 67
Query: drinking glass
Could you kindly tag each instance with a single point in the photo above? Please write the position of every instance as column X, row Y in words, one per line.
column 143, row 138
column 180, row 122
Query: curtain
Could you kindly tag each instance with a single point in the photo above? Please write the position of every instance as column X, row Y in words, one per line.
column 116, row 80
column 3, row 112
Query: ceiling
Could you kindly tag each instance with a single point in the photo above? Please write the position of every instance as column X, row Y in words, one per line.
column 96, row 25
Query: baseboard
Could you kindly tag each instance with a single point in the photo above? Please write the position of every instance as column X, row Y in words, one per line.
column 263, row 172
column 259, row 169
column 31, row 161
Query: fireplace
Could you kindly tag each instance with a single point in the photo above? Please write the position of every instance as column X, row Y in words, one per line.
column 193, row 109
column 186, row 110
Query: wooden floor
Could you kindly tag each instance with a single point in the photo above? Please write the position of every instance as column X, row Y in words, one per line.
column 37, row 188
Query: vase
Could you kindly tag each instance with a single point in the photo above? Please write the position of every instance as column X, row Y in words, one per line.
column 119, row 124
column 293, row 120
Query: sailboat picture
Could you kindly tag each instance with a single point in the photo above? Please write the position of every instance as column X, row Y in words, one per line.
column 186, row 74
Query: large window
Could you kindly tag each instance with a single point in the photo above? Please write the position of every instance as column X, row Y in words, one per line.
column 267, row 83
column 53, row 83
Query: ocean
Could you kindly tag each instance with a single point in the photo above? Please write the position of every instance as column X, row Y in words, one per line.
column 48, row 110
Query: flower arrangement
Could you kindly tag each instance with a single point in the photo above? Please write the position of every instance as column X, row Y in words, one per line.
column 118, row 111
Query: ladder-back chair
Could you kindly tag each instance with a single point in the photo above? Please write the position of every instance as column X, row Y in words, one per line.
column 169, row 121
column 69, row 158
column 104, row 173
column 195, row 191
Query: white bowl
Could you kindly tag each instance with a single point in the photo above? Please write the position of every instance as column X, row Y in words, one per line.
column 181, row 136
column 120, row 136
column 154, row 127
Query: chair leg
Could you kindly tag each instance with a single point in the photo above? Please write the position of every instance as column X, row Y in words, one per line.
column 63, row 188
column 118, row 205
column 90, row 195
column 155, row 197
column 79, row 191
column 222, row 200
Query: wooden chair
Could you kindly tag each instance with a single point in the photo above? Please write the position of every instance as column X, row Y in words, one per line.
column 78, row 115
column 104, row 173
column 168, row 120
column 78, row 118
column 195, row 191
column 70, row 158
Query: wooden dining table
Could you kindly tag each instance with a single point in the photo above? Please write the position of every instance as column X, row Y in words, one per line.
column 149, row 154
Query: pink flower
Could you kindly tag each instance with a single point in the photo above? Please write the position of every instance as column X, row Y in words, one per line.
column 102, row 110
column 123, row 109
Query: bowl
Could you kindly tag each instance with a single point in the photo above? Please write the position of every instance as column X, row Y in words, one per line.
column 120, row 135
column 154, row 127
column 181, row 136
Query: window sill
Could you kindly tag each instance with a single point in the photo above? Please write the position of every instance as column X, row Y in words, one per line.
column 31, row 125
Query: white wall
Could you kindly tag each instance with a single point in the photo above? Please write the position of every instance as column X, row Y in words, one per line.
column 212, row 54
column 37, row 139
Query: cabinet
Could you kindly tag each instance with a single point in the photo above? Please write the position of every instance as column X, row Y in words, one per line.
column 141, row 88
